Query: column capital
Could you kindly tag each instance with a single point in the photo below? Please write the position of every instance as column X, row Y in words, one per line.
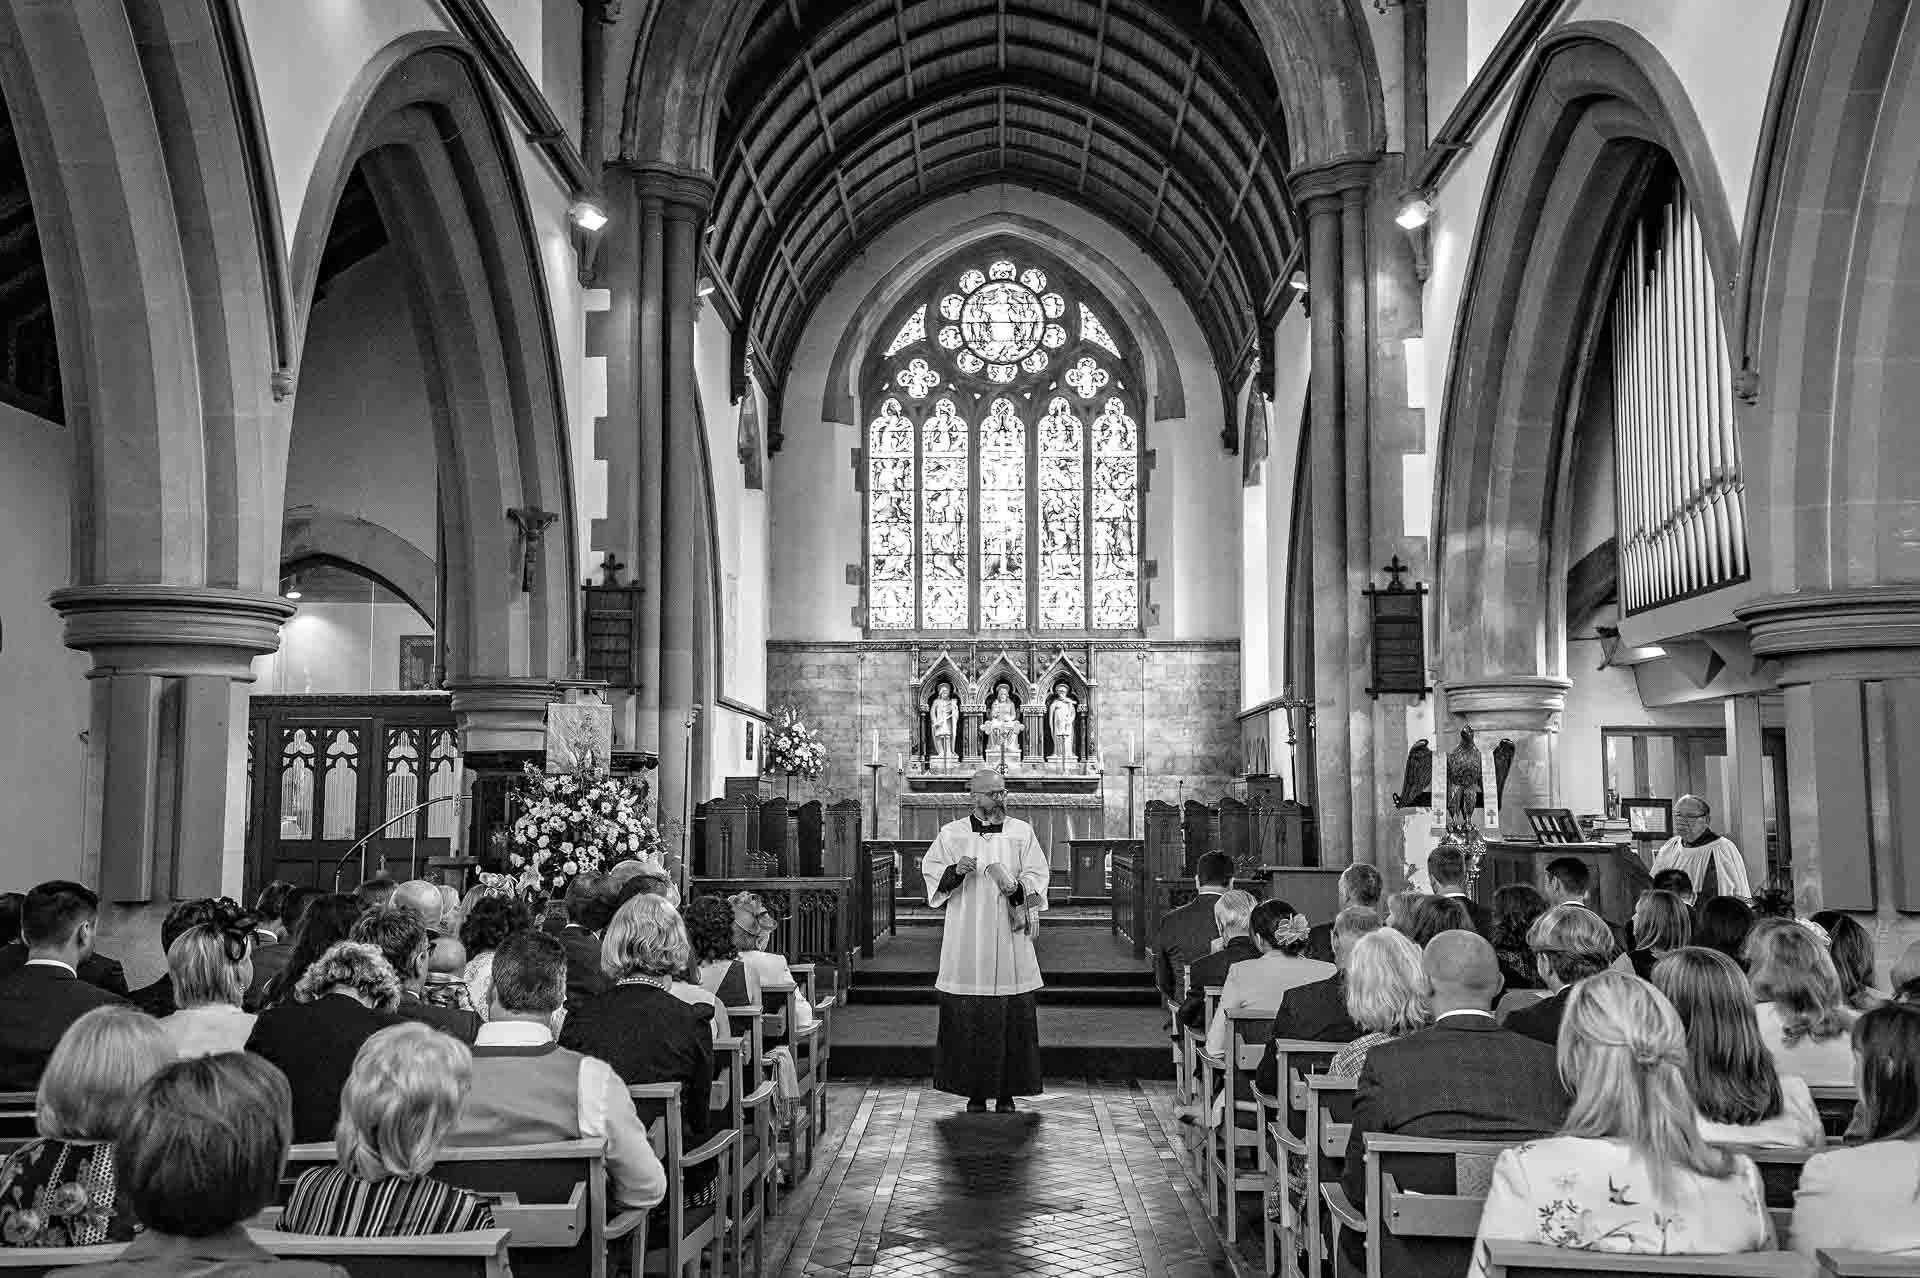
column 171, row 630
column 687, row 194
column 1511, row 703
column 502, row 713
column 1868, row 633
column 1333, row 178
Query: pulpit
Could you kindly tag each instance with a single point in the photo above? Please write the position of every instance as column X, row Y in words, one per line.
column 1619, row 875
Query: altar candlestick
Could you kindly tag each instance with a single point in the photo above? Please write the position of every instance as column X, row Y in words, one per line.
column 1133, row 754
column 874, row 740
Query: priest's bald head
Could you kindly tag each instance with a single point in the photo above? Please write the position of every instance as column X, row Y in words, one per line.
column 1462, row 972
column 989, row 790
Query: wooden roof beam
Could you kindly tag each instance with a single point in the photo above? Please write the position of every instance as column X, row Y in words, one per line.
column 773, row 219
column 1093, row 94
column 906, row 55
column 919, row 155
column 1233, row 214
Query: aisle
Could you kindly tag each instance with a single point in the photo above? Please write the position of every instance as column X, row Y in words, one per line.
column 1085, row 1182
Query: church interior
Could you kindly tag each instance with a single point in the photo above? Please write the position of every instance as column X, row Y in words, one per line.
column 1309, row 431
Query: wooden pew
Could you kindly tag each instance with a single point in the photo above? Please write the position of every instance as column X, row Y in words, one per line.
column 481, row 1253
column 1416, row 1232
column 686, row 1235
column 1229, row 1076
column 17, row 1125
column 1285, row 1137
column 1866, row 1264
column 1836, row 1106
column 1532, row 1260
column 1779, row 1170
column 1329, row 1123
column 755, row 1177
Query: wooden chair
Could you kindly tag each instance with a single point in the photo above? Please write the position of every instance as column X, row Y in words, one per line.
column 689, row 1235
column 1329, row 1122
column 481, row 1253
column 1283, row 1135
column 820, row 1044
column 1533, row 1260
column 755, row 1169
column 1233, row 1148
column 551, row 1198
column 1424, row 1232
column 1183, row 1065
column 1866, row 1264
column 1836, row 1106
column 17, row 1125
column 1190, row 1043
column 781, row 1029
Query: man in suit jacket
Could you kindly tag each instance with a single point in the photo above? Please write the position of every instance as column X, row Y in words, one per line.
column 275, row 911
column 1361, row 885
column 1317, row 1012
column 1568, row 880
column 1231, row 911
column 95, row 969
column 1463, row 1077
column 1188, row 933
column 1447, row 872
column 46, row 995
column 1569, row 944
column 590, row 907
column 402, row 940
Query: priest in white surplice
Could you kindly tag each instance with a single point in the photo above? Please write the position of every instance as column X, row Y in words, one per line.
column 989, row 873
column 1710, row 860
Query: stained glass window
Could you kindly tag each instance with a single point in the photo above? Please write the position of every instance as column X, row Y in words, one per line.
column 1003, row 465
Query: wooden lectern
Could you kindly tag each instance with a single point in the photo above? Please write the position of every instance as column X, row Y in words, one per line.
column 1619, row 875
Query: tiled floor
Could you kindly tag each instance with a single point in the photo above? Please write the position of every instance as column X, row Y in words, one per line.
column 1087, row 1181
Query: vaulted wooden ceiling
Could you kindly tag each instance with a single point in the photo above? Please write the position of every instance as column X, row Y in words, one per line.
column 844, row 116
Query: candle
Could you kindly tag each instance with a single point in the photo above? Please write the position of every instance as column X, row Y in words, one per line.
column 1133, row 755
column 875, row 742
column 899, row 761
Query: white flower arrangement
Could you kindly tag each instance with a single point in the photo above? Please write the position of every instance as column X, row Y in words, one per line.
column 573, row 823
column 793, row 747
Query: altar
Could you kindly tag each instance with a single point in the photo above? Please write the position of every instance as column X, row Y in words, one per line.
column 1059, row 810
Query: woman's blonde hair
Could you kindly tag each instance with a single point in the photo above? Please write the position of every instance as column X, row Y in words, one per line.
column 1386, row 985
column 1662, row 921
column 202, row 972
column 1232, row 910
column 646, row 938
column 1623, row 1055
column 404, row 1094
column 99, row 1063
column 354, row 966
column 1791, row 969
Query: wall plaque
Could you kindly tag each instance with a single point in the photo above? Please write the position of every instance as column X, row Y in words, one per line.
column 1399, row 635
column 613, row 635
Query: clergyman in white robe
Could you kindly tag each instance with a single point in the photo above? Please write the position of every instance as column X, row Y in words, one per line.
column 989, row 1044
column 1710, row 860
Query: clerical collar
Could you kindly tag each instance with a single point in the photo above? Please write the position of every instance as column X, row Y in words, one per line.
column 981, row 827
column 1705, row 837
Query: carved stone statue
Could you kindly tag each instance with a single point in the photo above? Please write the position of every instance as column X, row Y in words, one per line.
column 1466, row 777
column 944, row 713
column 1062, row 713
column 1003, row 728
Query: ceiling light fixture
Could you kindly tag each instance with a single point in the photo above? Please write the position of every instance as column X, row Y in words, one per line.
column 1298, row 281
column 1414, row 214
column 705, row 286
column 587, row 214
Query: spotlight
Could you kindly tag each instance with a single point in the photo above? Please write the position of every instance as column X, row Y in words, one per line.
column 290, row 586
column 1414, row 214
column 1298, row 282
column 705, row 286
column 587, row 214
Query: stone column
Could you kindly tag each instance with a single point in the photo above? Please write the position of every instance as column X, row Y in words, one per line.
column 165, row 661
column 1524, row 709
column 1745, row 821
column 1850, row 671
column 503, row 727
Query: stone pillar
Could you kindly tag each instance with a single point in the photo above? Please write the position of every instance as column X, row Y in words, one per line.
column 503, row 727
column 1333, row 196
column 1745, row 821
column 1850, row 671
column 1524, row 709
column 165, row 660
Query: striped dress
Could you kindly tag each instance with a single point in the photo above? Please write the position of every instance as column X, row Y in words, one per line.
column 327, row 1200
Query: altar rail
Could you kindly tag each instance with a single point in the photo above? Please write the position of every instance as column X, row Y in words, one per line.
column 819, row 919
column 877, row 893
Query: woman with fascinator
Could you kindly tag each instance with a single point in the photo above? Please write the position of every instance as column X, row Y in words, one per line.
column 1280, row 935
column 211, row 967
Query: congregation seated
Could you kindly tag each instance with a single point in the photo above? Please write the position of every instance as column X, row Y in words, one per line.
column 716, row 957
column 1399, row 906
column 1317, row 1012
column 63, row 1189
column 1233, row 915
column 210, row 968
column 631, row 878
column 1629, row 1170
column 489, row 921
column 1905, row 975
column 95, row 969
column 1567, row 880
column 1515, row 907
column 46, row 995
column 1281, row 937
column 1188, row 932
column 402, row 1098
column 1742, row 1098
column 1679, row 882
column 444, row 982
column 1465, row 1077
column 1386, row 997
column 638, row 1027
column 342, row 1000
column 528, row 1089
column 1851, row 950
column 753, row 928
column 1803, row 1018
column 327, row 920
column 159, row 998
column 590, row 907
column 1428, row 916
column 1661, row 924
column 1447, row 875
column 1722, row 923
column 1570, row 943
column 1360, row 884
column 276, row 910
column 204, row 1147
column 1867, row 1197
column 404, row 942
column 376, row 892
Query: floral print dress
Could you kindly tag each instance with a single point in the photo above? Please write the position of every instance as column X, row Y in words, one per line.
column 56, row 1193
column 1597, row 1195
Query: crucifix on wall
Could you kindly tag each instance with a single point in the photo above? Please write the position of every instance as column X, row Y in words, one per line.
column 532, row 522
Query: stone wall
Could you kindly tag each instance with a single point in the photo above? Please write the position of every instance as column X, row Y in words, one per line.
column 1177, row 698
